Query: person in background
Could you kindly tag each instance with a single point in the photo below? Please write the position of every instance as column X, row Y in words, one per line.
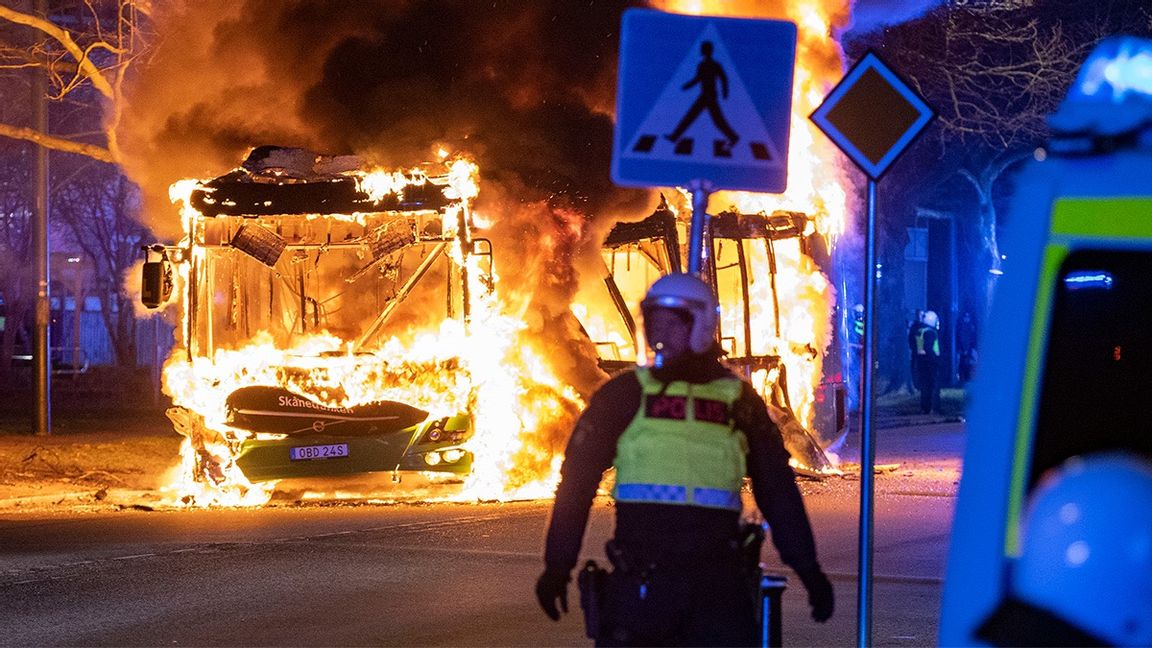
column 966, row 345
column 914, row 327
column 856, row 348
column 926, row 362
column 681, row 434
column 858, row 325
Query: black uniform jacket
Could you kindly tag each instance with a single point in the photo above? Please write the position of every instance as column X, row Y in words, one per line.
column 672, row 529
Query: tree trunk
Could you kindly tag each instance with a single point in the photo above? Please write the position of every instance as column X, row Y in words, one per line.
column 122, row 337
column 990, row 267
column 991, row 248
column 126, row 334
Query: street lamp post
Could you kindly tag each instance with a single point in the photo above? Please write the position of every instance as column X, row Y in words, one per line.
column 41, row 348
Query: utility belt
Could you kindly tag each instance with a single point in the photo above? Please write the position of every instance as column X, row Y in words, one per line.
column 640, row 567
column 632, row 559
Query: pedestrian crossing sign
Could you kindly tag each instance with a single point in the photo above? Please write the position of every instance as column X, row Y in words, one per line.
column 703, row 98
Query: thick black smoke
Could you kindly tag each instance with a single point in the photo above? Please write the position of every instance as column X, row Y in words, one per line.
column 526, row 87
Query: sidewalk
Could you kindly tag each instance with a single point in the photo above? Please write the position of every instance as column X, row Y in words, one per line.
column 113, row 460
column 915, row 453
column 85, row 461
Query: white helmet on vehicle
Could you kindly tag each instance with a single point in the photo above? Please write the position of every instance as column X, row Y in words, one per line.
column 931, row 319
column 686, row 293
column 1086, row 554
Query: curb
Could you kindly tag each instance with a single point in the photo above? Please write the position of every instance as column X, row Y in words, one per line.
column 111, row 497
column 914, row 420
column 50, row 499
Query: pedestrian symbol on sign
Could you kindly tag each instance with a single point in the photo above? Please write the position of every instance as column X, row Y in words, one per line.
column 708, row 73
column 706, row 81
column 703, row 99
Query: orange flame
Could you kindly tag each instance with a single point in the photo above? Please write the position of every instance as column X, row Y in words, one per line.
column 816, row 186
column 489, row 367
column 484, row 367
column 816, row 180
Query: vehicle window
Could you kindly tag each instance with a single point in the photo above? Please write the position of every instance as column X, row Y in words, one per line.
column 1095, row 388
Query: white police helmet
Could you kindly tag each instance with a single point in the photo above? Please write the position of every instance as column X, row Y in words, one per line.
column 931, row 319
column 1086, row 554
column 687, row 293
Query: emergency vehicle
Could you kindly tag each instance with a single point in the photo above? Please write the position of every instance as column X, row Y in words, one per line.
column 1067, row 357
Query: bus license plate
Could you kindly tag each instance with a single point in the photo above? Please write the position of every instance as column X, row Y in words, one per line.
column 330, row 451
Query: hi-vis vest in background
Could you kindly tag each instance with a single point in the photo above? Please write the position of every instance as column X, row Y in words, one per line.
column 920, row 346
column 682, row 447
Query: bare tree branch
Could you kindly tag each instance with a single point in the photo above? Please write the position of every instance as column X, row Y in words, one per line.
column 85, row 64
column 57, row 143
column 993, row 72
column 100, row 52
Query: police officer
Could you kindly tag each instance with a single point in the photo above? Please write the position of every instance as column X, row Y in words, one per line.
column 856, row 348
column 858, row 325
column 927, row 362
column 914, row 328
column 682, row 434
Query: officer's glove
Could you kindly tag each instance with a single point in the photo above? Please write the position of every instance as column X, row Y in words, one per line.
column 820, row 595
column 552, row 588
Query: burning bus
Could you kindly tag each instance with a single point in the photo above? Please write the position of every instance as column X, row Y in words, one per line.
column 292, row 269
column 306, row 274
column 337, row 321
column 772, row 300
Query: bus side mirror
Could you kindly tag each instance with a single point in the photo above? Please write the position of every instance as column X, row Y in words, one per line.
column 155, row 277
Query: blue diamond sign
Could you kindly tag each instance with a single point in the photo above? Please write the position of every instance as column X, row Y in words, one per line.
column 872, row 115
column 703, row 98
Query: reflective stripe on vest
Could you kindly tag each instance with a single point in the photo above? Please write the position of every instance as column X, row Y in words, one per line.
column 665, row 494
column 920, row 343
column 682, row 447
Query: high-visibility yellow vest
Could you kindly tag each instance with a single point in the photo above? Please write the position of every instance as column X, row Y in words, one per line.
column 920, row 349
column 682, row 447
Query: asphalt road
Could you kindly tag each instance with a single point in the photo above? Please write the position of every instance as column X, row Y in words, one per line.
column 434, row 574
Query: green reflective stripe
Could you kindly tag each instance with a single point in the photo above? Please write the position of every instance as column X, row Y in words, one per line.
column 1025, row 426
column 1108, row 217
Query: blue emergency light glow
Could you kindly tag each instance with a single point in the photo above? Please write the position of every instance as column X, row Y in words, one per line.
column 1088, row 280
column 1112, row 94
column 1114, row 73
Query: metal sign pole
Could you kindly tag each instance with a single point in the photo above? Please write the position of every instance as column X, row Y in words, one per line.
column 701, row 190
column 867, row 441
column 882, row 93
